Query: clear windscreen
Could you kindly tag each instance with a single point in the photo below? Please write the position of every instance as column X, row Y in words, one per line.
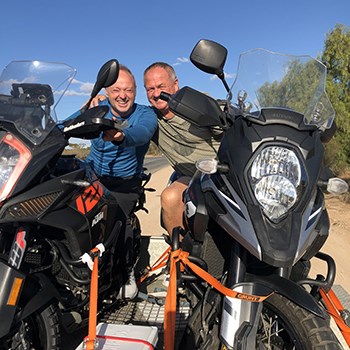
column 267, row 79
column 29, row 93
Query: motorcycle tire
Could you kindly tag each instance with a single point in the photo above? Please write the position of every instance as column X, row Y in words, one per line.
column 39, row 331
column 283, row 325
column 297, row 328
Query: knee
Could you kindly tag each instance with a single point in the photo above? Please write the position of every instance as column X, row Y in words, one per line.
column 170, row 198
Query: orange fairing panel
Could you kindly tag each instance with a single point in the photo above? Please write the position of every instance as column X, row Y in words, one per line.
column 91, row 196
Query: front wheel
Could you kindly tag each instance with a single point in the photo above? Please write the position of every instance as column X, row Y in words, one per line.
column 284, row 325
column 39, row 331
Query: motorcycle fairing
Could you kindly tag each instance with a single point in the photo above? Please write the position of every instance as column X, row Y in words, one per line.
column 195, row 209
column 32, row 205
column 89, row 198
column 234, row 218
column 275, row 239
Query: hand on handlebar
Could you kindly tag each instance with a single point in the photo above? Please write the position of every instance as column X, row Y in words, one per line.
column 113, row 135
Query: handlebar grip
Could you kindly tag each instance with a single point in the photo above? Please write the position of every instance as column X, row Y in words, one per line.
column 164, row 96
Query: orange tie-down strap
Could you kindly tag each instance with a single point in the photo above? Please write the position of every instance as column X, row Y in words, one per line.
column 90, row 341
column 334, row 308
column 170, row 301
column 159, row 263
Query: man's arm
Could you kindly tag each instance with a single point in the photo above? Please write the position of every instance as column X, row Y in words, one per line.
column 143, row 131
column 140, row 133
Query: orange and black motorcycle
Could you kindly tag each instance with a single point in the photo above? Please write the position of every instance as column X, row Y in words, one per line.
column 53, row 209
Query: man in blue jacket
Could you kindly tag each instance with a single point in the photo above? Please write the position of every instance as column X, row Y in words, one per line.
column 117, row 157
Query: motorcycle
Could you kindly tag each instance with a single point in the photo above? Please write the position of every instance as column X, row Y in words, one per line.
column 53, row 208
column 255, row 215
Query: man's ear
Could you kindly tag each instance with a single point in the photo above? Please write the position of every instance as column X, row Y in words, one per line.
column 176, row 84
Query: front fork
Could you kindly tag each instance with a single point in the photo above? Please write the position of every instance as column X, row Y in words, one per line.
column 12, row 281
column 239, row 318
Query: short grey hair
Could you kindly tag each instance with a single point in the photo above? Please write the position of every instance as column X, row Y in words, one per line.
column 167, row 67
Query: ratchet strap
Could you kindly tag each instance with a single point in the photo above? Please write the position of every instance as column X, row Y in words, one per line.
column 170, row 301
column 159, row 263
column 91, row 259
column 336, row 310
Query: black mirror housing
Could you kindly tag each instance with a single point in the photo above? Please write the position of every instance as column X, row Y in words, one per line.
column 107, row 76
column 209, row 56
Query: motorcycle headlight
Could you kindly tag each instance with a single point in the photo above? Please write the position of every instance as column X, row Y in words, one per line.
column 14, row 157
column 275, row 176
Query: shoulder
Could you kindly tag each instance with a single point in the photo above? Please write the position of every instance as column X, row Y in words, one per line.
column 144, row 110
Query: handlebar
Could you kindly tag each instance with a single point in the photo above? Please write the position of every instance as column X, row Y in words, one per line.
column 164, row 96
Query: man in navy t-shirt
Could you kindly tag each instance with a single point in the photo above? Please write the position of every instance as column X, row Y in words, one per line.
column 117, row 156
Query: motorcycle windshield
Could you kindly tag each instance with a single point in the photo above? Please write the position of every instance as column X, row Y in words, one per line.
column 268, row 79
column 29, row 93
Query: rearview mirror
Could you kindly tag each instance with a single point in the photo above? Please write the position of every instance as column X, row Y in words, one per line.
column 209, row 56
column 106, row 76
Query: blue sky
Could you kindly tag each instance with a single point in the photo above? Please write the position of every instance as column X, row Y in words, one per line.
column 85, row 34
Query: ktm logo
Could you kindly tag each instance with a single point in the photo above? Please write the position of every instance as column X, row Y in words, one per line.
column 91, row 196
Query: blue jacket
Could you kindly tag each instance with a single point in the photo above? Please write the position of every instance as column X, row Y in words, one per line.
column 126, row 158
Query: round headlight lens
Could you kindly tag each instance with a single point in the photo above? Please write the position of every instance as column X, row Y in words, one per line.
column 275, row 176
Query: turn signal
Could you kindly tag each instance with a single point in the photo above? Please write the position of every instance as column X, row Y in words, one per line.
column 16, row 287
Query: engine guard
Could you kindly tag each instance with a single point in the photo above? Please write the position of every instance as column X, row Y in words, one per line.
column 12, row 284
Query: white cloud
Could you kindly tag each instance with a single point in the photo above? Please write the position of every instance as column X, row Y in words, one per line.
column 79, row 88
column 181, row 60
column 227, row 76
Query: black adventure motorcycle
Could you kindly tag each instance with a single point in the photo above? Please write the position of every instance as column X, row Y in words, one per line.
column 53, row 209
column 256, row 215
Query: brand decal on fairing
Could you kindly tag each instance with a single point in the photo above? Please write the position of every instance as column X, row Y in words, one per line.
column 18, row 249
column 74, row 126
column 97, row 218
column 91, row 196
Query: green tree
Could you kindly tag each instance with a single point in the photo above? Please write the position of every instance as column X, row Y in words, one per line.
column 336, row 56
column 78, row 149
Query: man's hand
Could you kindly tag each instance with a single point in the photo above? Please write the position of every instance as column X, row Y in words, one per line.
column 113, row 135
column 95, row 101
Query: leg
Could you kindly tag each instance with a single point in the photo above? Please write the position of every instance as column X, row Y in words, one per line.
column 172, row 204
column 127, row 203
column 125, row 245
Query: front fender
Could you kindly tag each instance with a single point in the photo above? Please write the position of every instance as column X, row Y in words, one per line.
column 13, row 284
column 289, row 290
column 240, row 320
